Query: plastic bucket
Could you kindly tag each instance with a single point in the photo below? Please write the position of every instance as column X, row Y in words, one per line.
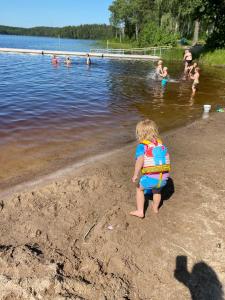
column 207, row 108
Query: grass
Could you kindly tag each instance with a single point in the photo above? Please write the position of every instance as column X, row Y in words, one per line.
column 174, row 54
column 112, row 44
column 216, row 57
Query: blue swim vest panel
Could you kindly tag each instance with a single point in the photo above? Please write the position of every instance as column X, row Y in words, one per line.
column 140, row 151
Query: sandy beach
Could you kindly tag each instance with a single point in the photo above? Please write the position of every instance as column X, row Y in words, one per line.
column 73, row 237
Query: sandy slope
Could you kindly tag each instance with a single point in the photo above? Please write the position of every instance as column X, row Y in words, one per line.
column 55, row 242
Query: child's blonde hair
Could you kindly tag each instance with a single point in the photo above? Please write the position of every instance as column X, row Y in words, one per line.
column 147, row 130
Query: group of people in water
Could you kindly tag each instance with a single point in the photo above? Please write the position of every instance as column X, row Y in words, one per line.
column 68, row 60
column 191, row 70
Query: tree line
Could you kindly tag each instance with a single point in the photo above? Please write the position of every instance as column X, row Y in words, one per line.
column 158, row 22
column 148, row 23
column 86, row 31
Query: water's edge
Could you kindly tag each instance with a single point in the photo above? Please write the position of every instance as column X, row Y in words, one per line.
column 73, row 169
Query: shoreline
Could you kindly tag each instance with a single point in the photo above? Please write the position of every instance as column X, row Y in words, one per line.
column 74, row 236
column 74, row 167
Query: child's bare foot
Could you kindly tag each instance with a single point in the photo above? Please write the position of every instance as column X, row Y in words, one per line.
column 155, row 209
column 137, row 213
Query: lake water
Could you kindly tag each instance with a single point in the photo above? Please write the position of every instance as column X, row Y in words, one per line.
column 46, row 43
column 53, row 116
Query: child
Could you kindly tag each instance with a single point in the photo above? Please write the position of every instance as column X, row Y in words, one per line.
column 195, row 77
column 152, row 160
column 191, row 69
column 159, row 69
column 165, row 76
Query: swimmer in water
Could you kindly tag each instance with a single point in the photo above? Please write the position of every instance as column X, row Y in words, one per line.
column 68, row 61
column 165, row 76
column 55, row 60
column 88, row 60
column 159, row 69
column 195, row 77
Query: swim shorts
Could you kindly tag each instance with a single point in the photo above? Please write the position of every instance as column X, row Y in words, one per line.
column 164, row 82
column 148, row 183
column 195, row 85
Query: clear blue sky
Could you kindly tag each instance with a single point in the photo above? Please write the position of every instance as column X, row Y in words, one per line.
column 29, row 13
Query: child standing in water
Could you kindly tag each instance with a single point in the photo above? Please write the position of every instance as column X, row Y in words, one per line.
column 152, row 160
column 159, row 69
column 165, row 76
column 195, row 77
column 191, row 69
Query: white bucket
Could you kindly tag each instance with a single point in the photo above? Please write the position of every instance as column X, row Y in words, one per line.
column 207, row 108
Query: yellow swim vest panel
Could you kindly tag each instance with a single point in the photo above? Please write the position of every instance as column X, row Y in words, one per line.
column 156, row 169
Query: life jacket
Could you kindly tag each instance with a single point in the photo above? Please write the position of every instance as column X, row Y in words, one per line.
column 156, row 158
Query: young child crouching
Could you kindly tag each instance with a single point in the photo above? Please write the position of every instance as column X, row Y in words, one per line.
column 152, row 160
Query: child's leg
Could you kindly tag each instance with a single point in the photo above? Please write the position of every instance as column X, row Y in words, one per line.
column 140, row 198
column 156, row 202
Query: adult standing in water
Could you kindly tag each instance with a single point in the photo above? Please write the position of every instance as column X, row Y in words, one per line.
column 187, row 59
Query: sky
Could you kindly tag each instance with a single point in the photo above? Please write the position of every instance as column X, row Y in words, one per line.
column 56, row 13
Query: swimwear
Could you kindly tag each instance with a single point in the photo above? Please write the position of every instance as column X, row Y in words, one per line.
column 164, row 81
column 151, row 182
column 195, row 85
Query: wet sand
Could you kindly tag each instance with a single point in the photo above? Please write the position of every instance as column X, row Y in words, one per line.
column 72, row 238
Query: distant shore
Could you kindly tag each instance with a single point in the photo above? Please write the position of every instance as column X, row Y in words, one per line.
column 74, row 236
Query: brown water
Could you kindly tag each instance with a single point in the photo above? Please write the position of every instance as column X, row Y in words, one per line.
column 51, row 117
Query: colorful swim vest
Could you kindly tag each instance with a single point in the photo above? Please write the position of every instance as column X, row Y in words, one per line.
column 156, row 158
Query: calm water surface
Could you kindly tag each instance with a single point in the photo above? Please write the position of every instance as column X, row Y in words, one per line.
column 53, row 116
column 46, row 43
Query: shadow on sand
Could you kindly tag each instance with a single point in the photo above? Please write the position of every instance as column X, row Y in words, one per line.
column 202, row 281
column 166, row 193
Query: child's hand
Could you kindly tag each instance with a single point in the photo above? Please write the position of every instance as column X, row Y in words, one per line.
column 134, row 178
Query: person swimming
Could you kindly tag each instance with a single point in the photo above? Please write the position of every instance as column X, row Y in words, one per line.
column 55, row 60
column 68, row 61
column 88, row 60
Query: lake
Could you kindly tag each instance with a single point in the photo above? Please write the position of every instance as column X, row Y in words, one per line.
column 51, row 117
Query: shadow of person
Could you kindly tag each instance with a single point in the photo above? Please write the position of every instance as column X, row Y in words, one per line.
column 202, row 281
column 166, row 193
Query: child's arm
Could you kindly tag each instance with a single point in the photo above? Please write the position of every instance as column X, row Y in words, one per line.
column 138, row 166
